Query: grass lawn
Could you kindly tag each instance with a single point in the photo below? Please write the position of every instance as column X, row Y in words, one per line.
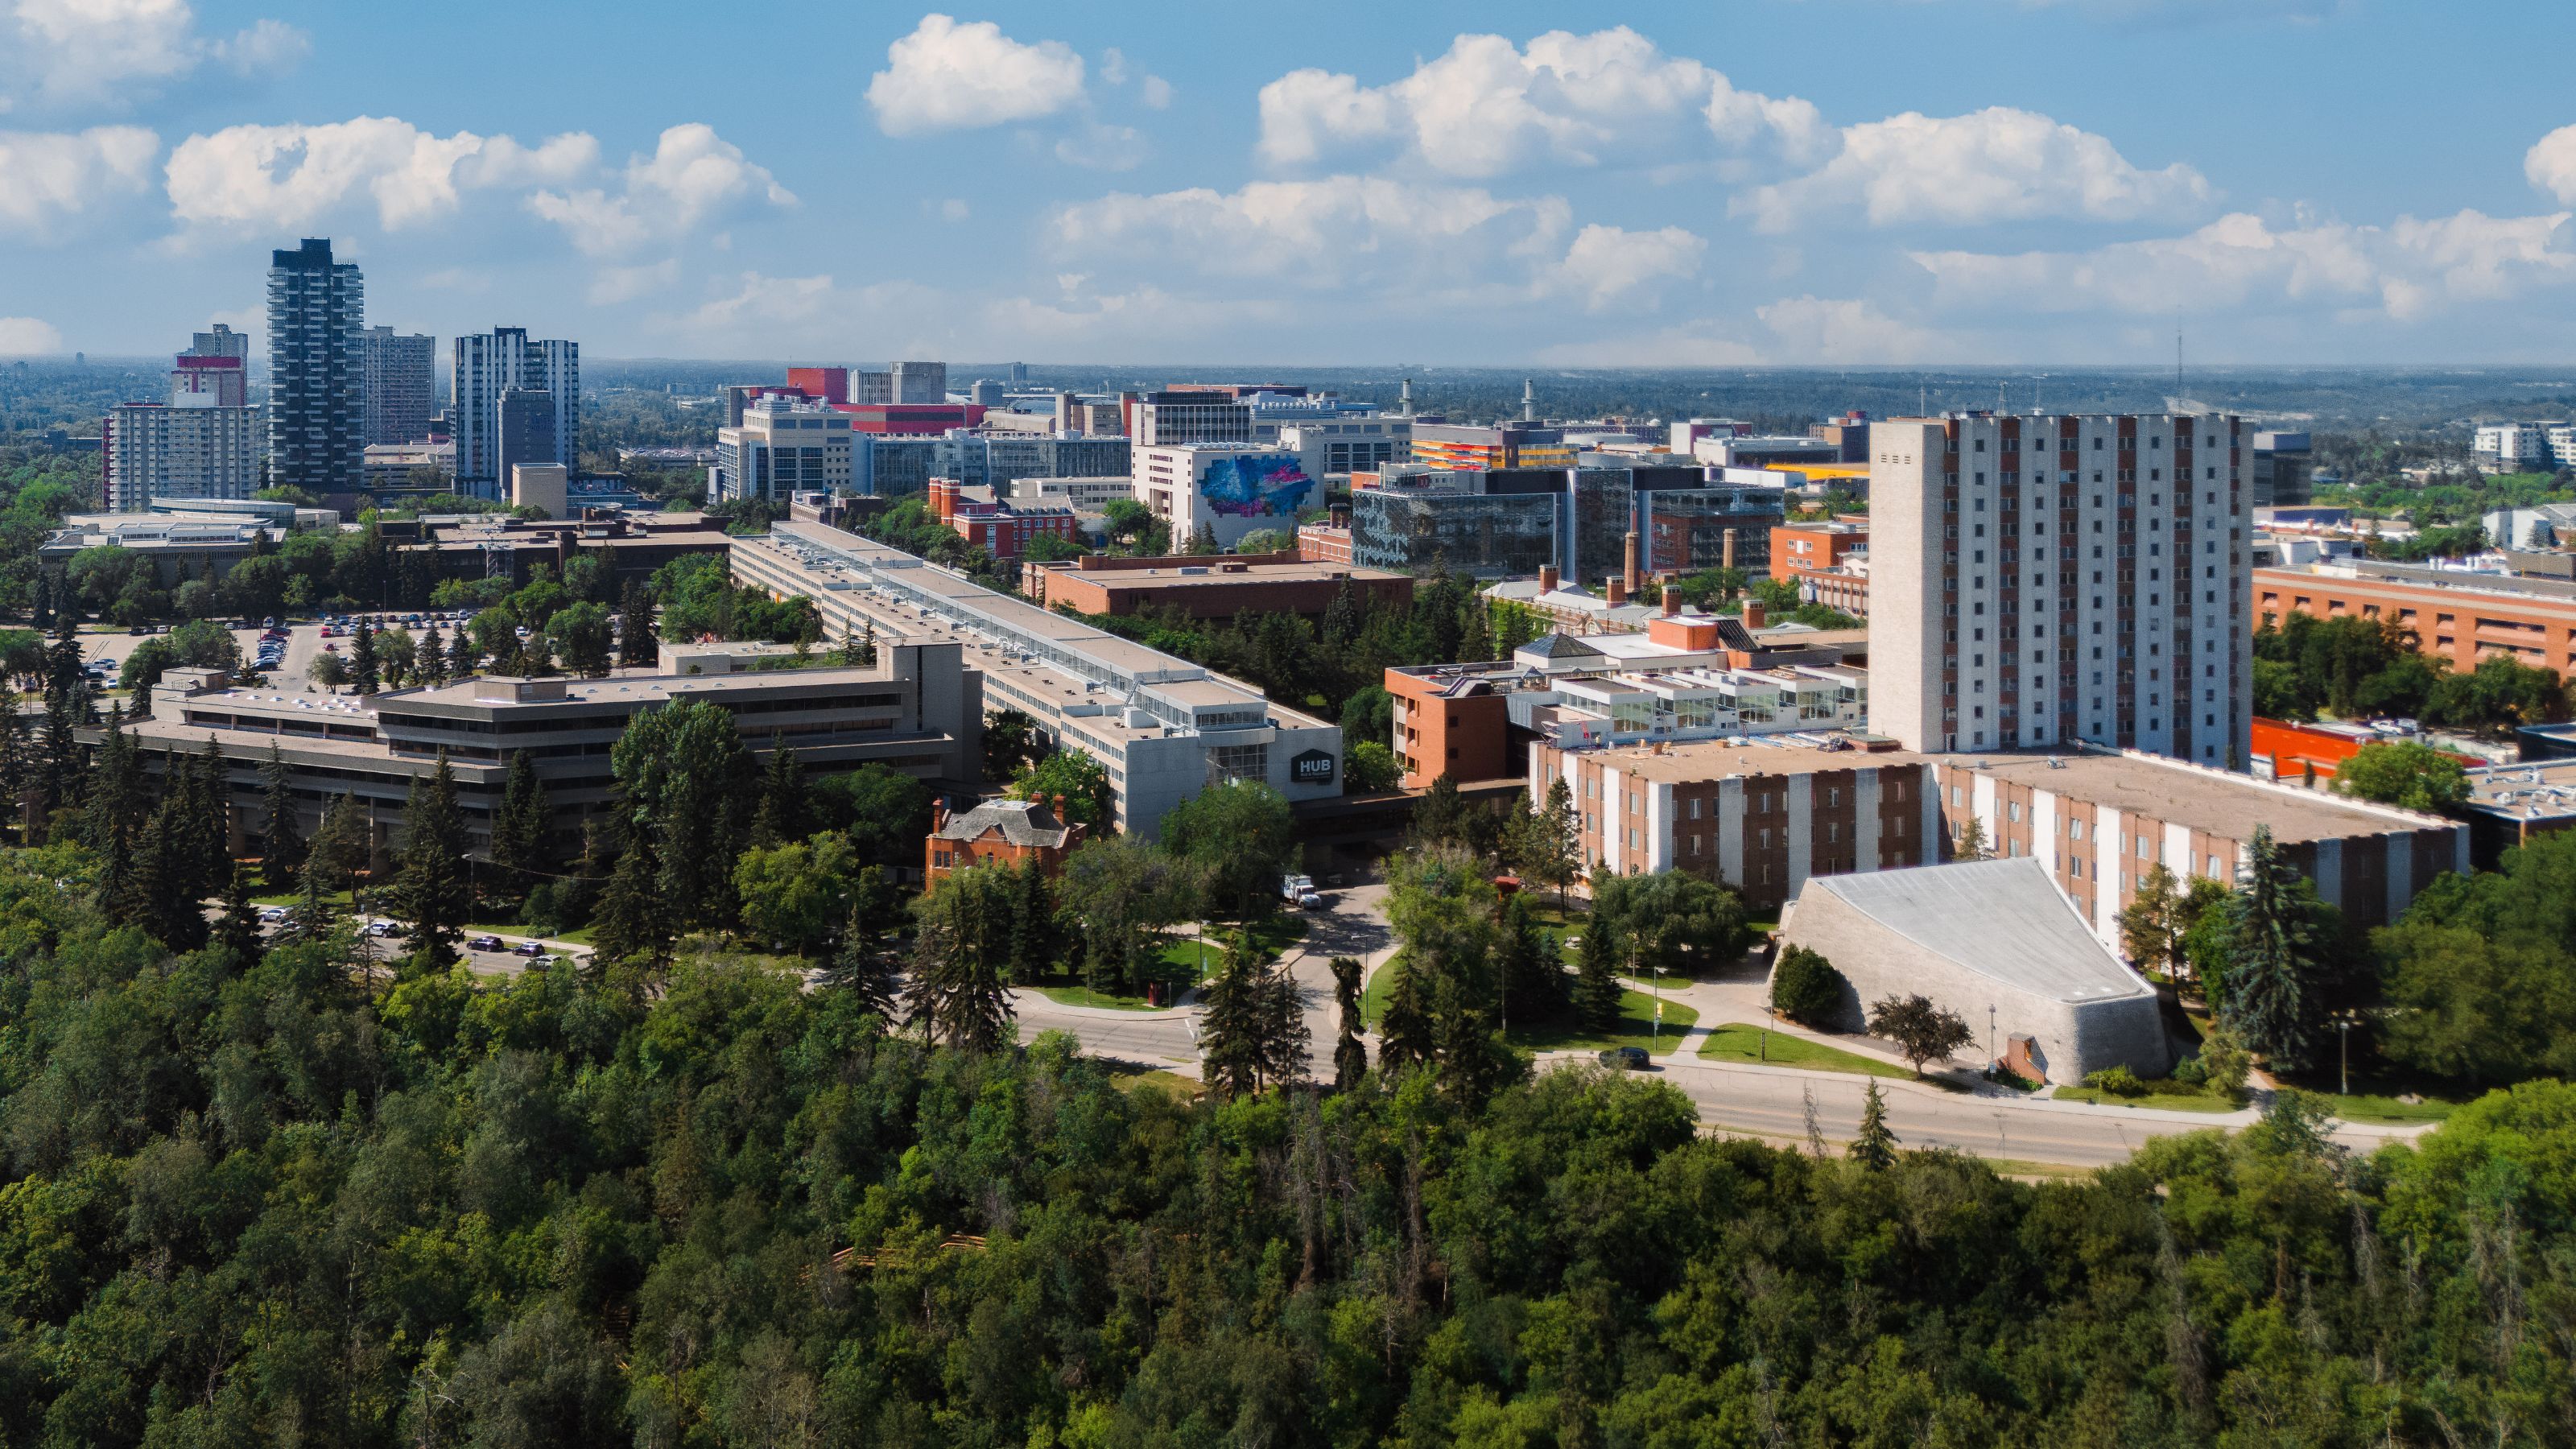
column 2373, row 1107
column 1161, row 1081
column 1739, row 1042
column 1274, row 936
column 1636, row 1029
column 1077, row 994
column 2162, row 1101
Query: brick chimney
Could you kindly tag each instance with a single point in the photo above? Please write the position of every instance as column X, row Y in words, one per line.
column 1547, row 578
column 1634, row 576
column 1726, row 551
column 938, row 814
column 1755, row 616
column 1618, row 591
column 1672, row 601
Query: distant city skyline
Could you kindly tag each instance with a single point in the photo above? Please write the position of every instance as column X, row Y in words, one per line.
column 1777, row 182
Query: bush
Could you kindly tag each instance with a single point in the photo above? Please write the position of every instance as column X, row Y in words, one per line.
column 2191, row 1072
column 1806, row 988
column 2116, row 1082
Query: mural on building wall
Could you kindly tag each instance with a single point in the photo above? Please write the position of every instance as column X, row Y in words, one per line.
column 1255, row 487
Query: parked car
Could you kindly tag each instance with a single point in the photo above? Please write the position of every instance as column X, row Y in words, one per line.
column 547, row 963
column 483, row 943
column 274, row 915
column 529, row 948
column 1625, row 1059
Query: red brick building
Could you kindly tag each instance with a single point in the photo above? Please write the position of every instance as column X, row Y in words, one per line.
column 1004, row 530
column 2456, row 616
column 1006, row 832
column 1208, row 587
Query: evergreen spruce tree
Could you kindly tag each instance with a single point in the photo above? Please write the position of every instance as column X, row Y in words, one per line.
column 868, row 646
column 284, row 850
column 238, row 930
column 116, row 806
column 461, row 654
column 213, row 837
column 364, row 667
column 781, row 816
column 1404, row 1032
column 341, row 848
column 1476, row 636
column 432, row 666
column 632, row 922
column 636, row 644
column 2273, row 993
column 314, row 916
column 1598, row 990
column 864, row 968
column 435, row 892
column 1350, row 1053
column 164, row 863
column 957, row 995
column 1875, row 1147
column 15, row 772
column 1037, row 941
column 1231, row 1050
column 520, row 830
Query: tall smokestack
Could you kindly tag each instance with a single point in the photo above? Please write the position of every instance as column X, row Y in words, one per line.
column 1404, row 400
column 1726, row 553
column 1529, row 401
column 1634, row 574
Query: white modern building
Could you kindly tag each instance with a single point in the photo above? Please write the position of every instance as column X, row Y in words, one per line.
column 1349, row 444
column 920, row 382
column 187, row 448
column 401, row 384
column 1083, row 495
column 2517, row 447
column 2036, row 581
column 785, row 446
column 490, row 366
column 1231, row 489
column 1162, row 727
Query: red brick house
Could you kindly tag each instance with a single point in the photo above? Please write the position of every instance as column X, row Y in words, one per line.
column 1004, row 831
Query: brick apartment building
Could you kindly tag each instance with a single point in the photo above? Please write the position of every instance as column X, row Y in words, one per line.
column 1004, row 530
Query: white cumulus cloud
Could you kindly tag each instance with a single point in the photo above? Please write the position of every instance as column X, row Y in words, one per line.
column 1844, row 330
column 1605, row 262
column 1998, row 164
column 2406, row 270
column 692, row 175
column 287, row 176
column 1487, row 106
column 611, row 285
column 45, row 176
column 1358, row 235
column 2551, row 164
column 90, row 50
column 28, row 337
column 948, row 75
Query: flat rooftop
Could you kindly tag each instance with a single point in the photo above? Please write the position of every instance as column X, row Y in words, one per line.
column 2192, row 795
column 1699, row 760
column 1220, row 570
column 2004, row 920
column 2533, row 790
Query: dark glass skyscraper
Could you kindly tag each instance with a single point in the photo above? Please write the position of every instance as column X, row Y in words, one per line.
column 316, row 384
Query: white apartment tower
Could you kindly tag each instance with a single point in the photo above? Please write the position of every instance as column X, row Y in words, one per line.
column 402, row 390
column 202, row 443
column 493, row 364
column 2038, row 581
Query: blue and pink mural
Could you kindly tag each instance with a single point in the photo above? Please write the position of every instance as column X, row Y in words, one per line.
column 1255, row 487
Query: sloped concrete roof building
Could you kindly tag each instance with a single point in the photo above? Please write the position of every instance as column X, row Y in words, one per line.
column 1986, row 934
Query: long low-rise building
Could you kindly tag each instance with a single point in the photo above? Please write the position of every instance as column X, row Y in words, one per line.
column 2454, row 614
column 1204, row 587
column 2100, row 821
column 1763, row 814
column 1162, row 727
column 918, row 710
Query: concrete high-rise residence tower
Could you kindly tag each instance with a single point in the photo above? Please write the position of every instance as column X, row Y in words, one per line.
column 2036, row 581
column 317, row 382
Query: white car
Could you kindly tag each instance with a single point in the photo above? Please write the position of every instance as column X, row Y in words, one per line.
column 273, row 916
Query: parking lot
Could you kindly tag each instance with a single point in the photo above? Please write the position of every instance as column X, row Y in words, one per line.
column 285, row 657
column 485, row 953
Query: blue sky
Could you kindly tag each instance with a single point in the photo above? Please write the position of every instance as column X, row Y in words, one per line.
column 1733, row 182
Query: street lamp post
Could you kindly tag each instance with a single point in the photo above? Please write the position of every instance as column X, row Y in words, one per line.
column 2343, row 1031
column 1990, row 1036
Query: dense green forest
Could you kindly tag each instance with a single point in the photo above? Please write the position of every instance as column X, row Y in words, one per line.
column 247, row 1199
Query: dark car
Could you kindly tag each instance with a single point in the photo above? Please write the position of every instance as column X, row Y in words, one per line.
column 1625, row 1059
column 529, row 948
column 484, row 943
